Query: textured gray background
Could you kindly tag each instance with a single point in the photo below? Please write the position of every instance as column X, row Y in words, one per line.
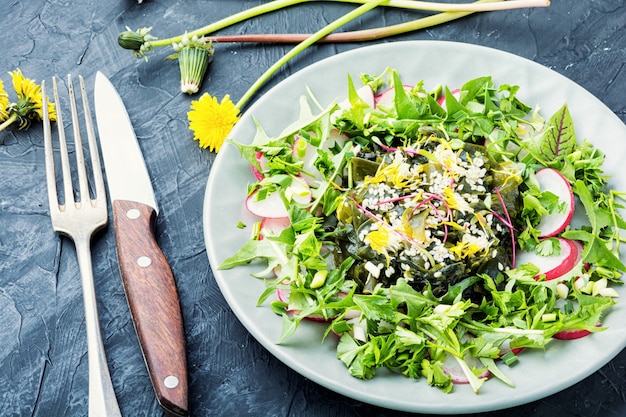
column 43, row 362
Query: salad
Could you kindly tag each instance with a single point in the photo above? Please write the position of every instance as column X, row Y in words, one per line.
column 433, row 231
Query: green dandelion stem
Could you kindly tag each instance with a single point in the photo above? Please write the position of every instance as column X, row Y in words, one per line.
column 367, row 34
column 457, row 7
column 305, row 44
column 403, row 4
column 231, row 20
column 12, row 118
column 357, row 35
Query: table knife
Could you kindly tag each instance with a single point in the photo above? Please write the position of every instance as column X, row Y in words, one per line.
column 147, row 277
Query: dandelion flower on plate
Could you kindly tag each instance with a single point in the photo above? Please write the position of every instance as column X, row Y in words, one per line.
column 211, row 121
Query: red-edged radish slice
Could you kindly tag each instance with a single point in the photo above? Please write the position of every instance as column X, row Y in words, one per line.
column 573, row 333
column 308, row 153
column 452, row 367
column 386, row 97
column 554, row 223
column 283, row 295
column 262, row 160
column 505, row 347
column 272, row 206
column 273, row 226
column 335, row 137
column 554, row 266
column 442, row 100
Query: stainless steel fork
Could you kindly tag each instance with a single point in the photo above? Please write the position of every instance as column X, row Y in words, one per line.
column 78, row 218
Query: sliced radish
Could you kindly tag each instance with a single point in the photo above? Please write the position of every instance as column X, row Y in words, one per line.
column 554, row 266
column 335, row 138
column 272, row 206
column 308, row 153
column 366, row 94
column 262, row 160
column 554, row 223
column 505, row 347
column 273, row 226
column 452, row 367
column 283, row 295
column 573, row 333
column 386, row 97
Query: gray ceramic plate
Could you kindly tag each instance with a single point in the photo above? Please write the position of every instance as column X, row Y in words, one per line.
column 539, row 373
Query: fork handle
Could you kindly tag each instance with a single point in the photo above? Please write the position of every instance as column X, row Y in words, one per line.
column 154, row 303
column 102, row 400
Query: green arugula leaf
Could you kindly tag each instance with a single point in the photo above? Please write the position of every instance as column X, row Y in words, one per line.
column 416, row 303
column 289, row 327
column 375, row 307
column 476, row 88
column 266, row 249
column 403, row 104
column 455, row 110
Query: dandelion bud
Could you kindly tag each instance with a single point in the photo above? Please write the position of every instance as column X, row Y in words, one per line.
column 194, row 55
column 137, row 41
column 130, row 40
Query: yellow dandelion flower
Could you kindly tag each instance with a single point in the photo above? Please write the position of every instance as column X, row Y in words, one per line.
column 470, row 245
column 211, row 121
column 383, row 240
column 4, row 103
column 28, row 106
column 378, row 240
column 24, row 87
column 464, row 249
column 455, row 201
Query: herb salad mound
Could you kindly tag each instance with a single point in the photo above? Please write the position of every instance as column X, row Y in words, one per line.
column 412, row 222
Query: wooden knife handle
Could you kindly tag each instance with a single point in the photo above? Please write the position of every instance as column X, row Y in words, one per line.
column 154, row 304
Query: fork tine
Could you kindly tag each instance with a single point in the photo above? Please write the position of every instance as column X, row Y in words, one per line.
column 83, row 185
column 100, row 193
column 49, row 155
column 65, row 162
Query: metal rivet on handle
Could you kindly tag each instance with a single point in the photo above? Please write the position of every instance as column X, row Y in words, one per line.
column 144, row 261
column 133, row 214
column 170, row 381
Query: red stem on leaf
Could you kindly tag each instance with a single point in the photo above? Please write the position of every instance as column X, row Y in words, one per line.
column 508, row 224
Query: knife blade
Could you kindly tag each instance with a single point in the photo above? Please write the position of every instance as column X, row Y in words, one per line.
column 147, row 277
